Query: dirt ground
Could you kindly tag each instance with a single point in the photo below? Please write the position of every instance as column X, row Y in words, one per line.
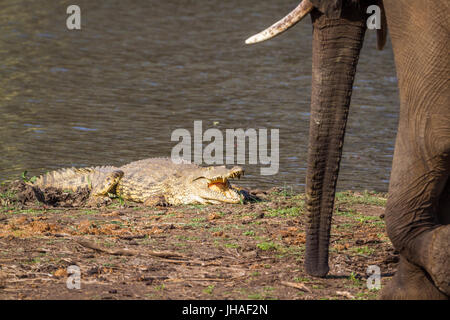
column 124, row 250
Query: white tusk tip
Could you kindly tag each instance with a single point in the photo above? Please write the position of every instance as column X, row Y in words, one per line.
column 252, row 40
column 249, row 40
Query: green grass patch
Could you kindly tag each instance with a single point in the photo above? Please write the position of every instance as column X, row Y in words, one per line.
column 159, row 288
column 231, row 245
column 366, row 197
column 209, row 289
column 27, row 179
column 88, row 212
column 301, row 279
column 194, row 225
column 265, row 246
column 365, row 250
column 249, row 233
column 355, row 280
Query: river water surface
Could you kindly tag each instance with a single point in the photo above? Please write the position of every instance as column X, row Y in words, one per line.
column 114, row 91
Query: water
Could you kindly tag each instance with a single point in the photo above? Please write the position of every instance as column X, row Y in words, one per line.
column 114, row 91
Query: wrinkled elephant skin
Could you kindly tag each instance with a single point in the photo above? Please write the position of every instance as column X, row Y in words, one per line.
column 418, row 207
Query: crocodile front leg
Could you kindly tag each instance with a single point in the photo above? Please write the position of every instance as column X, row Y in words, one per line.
column 99, row 192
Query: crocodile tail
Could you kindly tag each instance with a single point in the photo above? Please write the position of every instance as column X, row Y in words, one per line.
column 74, row 178
column 68, row 178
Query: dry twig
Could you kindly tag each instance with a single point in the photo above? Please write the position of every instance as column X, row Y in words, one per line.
column 296, row 285
column 127, row 252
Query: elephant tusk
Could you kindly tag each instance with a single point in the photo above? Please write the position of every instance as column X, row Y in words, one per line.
column 288, row 21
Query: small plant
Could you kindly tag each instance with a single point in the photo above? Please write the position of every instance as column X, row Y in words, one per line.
column 26, row 179
column 317, row 286
column 301, row 279
column 354, row 278
column 231, row 245
column 265, row 294
column 194, row 225
column 7, row 195
column 209, row 289
column 366, row 197
column 160, row 288
column 255, row 296
column 35, row 260
column 267, row 246
column 88, row 212
column 364, row 250
column 121, row 200
column 287, row 191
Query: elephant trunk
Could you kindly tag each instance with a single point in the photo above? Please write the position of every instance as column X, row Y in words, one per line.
column 336, row 47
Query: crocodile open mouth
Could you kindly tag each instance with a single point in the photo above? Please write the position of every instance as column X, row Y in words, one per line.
column 221, row 184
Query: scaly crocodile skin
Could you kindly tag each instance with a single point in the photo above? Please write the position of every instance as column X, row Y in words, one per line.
column 149, row 181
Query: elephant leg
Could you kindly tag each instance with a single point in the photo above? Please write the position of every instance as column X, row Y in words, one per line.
column 416, row 219
column 417, row 207
column 411, row 282
column 439, row 260
column 444, row 205
column 417, row 212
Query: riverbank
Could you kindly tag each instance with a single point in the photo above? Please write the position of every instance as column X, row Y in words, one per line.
column 231, row 251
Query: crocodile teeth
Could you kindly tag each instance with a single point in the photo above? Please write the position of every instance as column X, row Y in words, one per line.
column 218, row 180
column 236, row 174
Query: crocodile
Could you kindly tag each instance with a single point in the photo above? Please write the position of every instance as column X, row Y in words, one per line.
column 153, row 181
